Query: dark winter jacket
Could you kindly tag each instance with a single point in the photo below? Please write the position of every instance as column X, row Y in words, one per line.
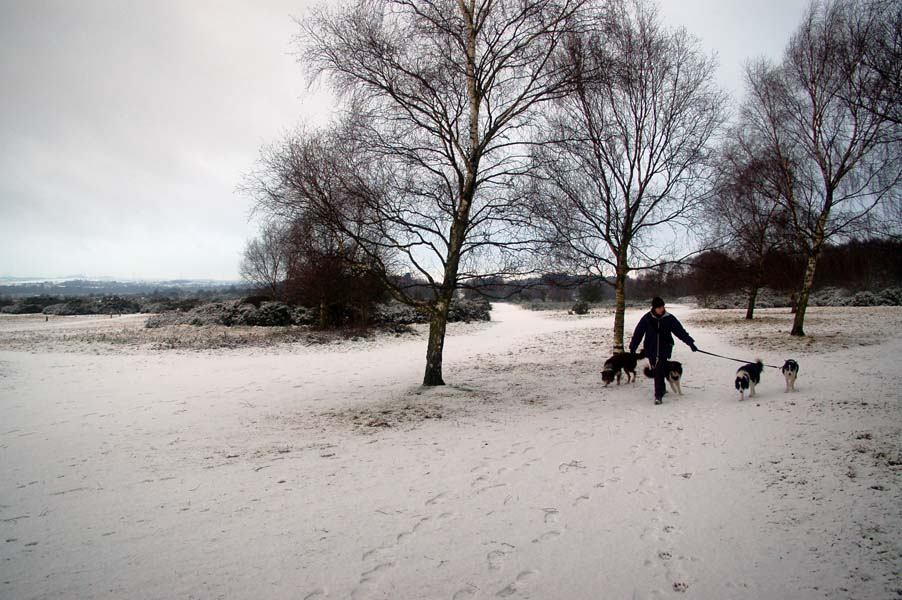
column 657, row 333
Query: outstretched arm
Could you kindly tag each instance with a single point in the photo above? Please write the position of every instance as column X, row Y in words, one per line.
column 683, row 334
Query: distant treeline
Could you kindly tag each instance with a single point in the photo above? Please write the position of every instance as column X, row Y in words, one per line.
column 104, row 304
column 87, row 287
column 870, row 265
column 84, row 297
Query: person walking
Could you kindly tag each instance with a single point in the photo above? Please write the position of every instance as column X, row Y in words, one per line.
column 657, row 327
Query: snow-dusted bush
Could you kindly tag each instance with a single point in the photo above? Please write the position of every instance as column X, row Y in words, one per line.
column 470, row 310
column 830, row 296
column 395, row 313
column 157, row 304
column 890, row 297
column 581, row 308
column 72, row 307
column 268, row 314
column 22, row 309
column 886, row 297
column 863, row 299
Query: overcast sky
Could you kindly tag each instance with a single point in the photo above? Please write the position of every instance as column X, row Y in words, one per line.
column 125, row 126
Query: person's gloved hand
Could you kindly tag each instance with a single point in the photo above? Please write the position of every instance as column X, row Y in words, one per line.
column 693, row 347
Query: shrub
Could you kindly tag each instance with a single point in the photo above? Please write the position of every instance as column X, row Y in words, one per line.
column 395, row 313
column 470, row 310
column 269, row 314
column 581, row 308
column 890, row 297
column 117, row 304
column 22, row 309
column 864, row 299
column 72, row 307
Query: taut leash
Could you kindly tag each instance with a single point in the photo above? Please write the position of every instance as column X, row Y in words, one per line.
column 736, row 359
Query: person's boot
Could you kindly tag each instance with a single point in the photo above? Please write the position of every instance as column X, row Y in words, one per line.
column 658, row 400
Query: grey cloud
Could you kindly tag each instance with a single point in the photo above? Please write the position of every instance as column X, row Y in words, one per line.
column 125, row 126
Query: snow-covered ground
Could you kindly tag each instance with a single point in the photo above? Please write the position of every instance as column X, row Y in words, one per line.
column 327, row 472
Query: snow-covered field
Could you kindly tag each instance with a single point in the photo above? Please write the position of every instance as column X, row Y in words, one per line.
column 325, row 471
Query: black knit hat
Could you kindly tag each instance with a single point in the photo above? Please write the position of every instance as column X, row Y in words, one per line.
column 656, row 302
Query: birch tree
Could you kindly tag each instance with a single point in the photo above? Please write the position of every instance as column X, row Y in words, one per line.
column 622, row 164
column 440, row 95
column 744, row 210
column 835, row 146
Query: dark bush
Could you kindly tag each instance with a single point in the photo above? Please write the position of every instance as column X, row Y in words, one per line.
column 581, row 308
column 476, row 309
column 72, row 307
column 22, row 309
column 117, row 305
column 269, row 314
column 162, row 304
column 257, row 299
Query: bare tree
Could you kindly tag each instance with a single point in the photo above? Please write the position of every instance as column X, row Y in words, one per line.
column 874, row 30
column 745, row 210
column 835, row 148
column 265, row 260
column 877, row 31
column 328, row 272
column 441, row 92
column 621, row 166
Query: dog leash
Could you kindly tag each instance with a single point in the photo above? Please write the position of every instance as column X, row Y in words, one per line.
column 736, row 359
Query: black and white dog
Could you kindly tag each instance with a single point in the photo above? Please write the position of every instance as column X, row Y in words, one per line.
column 747, row 377
column 790, row 373
column 674, row 375
column 626, row 362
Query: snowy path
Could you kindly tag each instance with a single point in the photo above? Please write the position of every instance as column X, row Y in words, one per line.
column 253, row 475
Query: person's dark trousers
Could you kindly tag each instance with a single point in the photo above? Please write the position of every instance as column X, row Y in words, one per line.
column 660, row 367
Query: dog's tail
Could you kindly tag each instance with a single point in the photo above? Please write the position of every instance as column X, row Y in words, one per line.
column 759, row 363
column 648, row 372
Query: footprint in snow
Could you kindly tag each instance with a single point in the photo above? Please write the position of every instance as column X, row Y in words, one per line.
column 522, row 581
column 495, row 559
column 551, row 515
column 436, row 499
column 370, row 553
column 467, row 592
column 573, row 464
column 546, row 536
column 375, row 571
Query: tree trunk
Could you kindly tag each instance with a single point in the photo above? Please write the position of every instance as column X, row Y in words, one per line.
column 750, row 309
column 619, row 309
column 438, row 323
column 757, row 284
column 802, row 305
